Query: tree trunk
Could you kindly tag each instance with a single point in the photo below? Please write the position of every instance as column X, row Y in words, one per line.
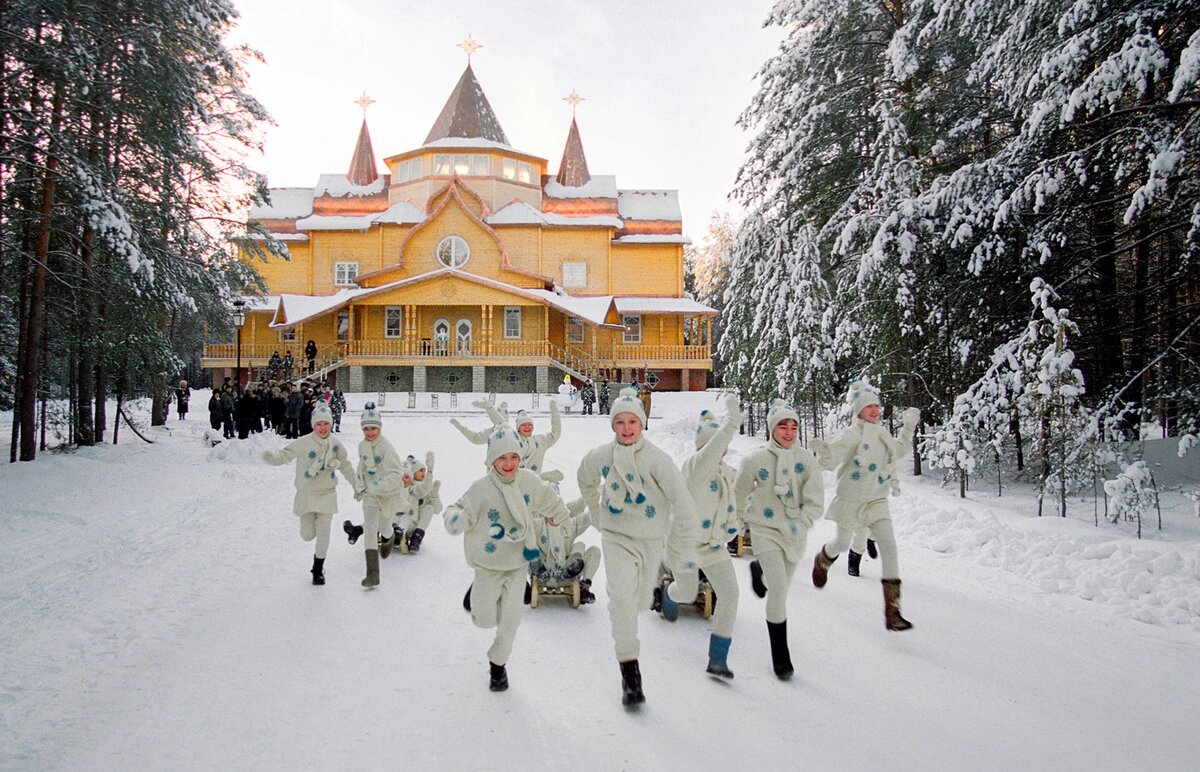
column 37, row 291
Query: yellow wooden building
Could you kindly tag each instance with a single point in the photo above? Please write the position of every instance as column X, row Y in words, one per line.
column 468, row 267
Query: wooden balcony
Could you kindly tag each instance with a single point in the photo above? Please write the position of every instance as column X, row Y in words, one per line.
column 406, row 352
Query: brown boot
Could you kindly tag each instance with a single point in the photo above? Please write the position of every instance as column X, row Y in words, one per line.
column 372, row 578
column 891, row 606
column 821, row 564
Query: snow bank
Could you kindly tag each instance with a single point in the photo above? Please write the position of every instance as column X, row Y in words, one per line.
column 1137, row 582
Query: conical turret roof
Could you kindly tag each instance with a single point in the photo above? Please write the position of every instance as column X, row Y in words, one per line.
column 362, row 165
column 573, row 170
column 467, row 114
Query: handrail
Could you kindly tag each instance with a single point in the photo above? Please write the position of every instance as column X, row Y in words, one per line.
column 580, row 360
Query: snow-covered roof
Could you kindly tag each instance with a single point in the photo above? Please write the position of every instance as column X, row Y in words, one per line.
column 465, row 142
column 653, row 238
column 339, row 186
column 520, row 213
column 322, row 222
column 649, row 205
column 300, row 308
column 255, row 303
column 276, row 236
column 284, row 204
column 600, row 186
column 403, row 213
column 648, row 305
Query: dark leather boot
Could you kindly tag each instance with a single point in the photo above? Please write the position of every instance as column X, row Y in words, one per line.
column 499, row 678
column 781, row 658
column 372, row 578
column 631, row 683
column 756, row 582
column 853, row 562
column 891, row 606
column 821, row 564
column 318, row 570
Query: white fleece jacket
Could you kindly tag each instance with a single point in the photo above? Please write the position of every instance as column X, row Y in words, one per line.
column 317, row 463
column 497, row 538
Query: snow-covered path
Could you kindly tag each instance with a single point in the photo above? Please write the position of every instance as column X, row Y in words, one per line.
column 157, row 615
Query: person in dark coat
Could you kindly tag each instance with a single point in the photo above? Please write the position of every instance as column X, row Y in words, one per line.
column 307, row 406
column 602, row 394
column 588, row 395
column 277, row 408
column 294, row 405
column 310, row 353
column 182, row 395
column 214, row 410
column 227, row 412
column 288, row 362
column 274, row 364
column 246, row 411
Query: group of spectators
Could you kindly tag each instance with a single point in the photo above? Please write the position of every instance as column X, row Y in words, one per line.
column 593, row 392
column 280, row 406
column 280, row 367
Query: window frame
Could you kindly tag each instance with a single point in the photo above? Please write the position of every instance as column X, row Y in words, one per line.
column 512, row 310
column 575, row 323
column 399, row 311
column 636, row 325
column 575, row 266
column 338, row 265
column 453, row 240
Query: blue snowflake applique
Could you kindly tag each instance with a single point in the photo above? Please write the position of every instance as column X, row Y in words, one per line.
column 799, row 468
column 856, row 475
column 378, row 459
column 713, row 486
column 872, row 467
column 763, row 474
column 768, row 513
column 526, row 497
column 489, row 547
column 604, row 471
column 650, row 511
column 312, row 454
column 493, row 515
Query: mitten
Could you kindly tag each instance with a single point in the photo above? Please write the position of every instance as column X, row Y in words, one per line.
column 455, row 519
column 482, row 404
column 734, row 408
column 912, row 417
column 272, row 457
column 553, row 476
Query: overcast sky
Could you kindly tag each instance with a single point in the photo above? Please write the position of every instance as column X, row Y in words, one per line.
column 664, row 82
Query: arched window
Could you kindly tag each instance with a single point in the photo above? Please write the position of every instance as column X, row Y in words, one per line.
column 453, row 252
column 462, row 337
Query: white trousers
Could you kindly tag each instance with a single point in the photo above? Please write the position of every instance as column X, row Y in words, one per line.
column 375, row 524
column 885, row 540
column 315, row 525
column 498, row 600
column 777, row 576
column 631, row 571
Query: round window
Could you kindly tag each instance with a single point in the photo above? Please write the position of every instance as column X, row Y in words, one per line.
column 453, row 252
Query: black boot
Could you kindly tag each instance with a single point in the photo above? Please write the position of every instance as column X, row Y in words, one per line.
column 499, row 679
column 318, row 570
column 781, row 658
column 352, row 531
column 467, row 599
column 852, row 563
column 573, row 568
column 874, row 553
column 631, row 683
column 585, row 591
column 528, row 593
column 756, row 581
column 414, row 539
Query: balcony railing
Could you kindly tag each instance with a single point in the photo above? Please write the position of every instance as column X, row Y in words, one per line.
column 584, row 357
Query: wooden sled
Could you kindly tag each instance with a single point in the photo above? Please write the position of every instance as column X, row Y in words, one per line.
column 567, row 589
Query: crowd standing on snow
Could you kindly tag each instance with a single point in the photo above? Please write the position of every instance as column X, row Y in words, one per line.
column 665, row 528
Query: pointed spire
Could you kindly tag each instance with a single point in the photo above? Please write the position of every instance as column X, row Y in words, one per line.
column 362, row 165
column 573, row 170
column 467, row 114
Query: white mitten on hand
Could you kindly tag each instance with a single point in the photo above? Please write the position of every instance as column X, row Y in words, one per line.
column 482, row 404
column 271, row 457
column 429, row 462
column 734, row 408
column 554, row 476
column 912, row 417
column 577, row 507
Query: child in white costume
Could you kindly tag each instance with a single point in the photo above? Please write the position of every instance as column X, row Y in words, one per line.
column 319, row 456
column 864, row 457
column 533, row 446
column 780, row 494
column 711, row 483
column 379, row 484
column 499, row 416
column 564, row 558
column 638, row 499
column 425, row 501
column 498, row 514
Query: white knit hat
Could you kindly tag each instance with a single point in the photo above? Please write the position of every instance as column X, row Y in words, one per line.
column 503, row 440
column 370, row 416
column 521, row 417
column 707, row 427
column 322, row 413
column 628, row 402
column 860, row 395
column 779, row 411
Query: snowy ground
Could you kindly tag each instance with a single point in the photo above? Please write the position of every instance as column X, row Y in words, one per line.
column 158, row 615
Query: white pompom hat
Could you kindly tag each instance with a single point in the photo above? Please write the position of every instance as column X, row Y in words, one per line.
column 628, row 402
column 860, row 395
column 779, row 411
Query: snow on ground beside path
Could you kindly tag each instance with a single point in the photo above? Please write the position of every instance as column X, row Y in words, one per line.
column 158, row 615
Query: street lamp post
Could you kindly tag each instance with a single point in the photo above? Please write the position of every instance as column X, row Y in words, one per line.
column 239, row 319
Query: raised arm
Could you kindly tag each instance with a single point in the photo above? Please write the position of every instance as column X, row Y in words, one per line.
column 709, row 457
column 476, row 438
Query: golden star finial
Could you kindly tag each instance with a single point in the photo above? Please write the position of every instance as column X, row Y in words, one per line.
column 364, row 102
column 470, row 46
column 573, row 99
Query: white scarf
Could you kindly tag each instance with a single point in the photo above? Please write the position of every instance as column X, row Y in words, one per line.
column 725, row 513
column 325, row 457
column 626, row 483
column 787, row 478
column 518, row 508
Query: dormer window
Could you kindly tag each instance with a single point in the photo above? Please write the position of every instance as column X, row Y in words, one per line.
column 512, row 169
column 453, row 252
column 462, row 164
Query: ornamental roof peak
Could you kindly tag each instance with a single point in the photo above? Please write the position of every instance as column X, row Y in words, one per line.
column 467, row 114
column 573, row 169
column 362, row 165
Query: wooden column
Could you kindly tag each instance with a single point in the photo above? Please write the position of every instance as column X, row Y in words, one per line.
column 708, row 331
